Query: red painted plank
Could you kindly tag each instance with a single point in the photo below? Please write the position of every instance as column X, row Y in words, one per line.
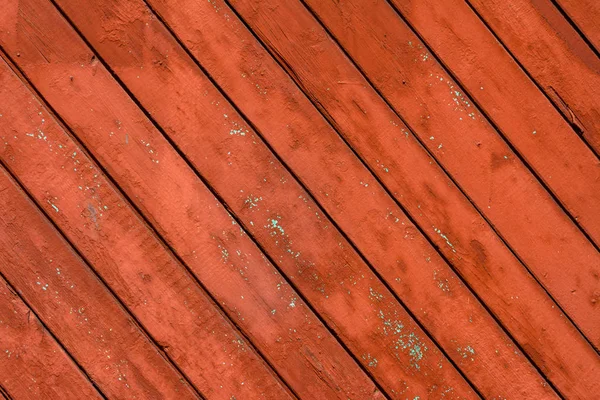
column 449, row 125
column 554, row 54
column 166, row 190
column 585, row 14
column 432, row 200
column 141, row 272
column 33, row 364
column 492, row 78
column 73, row 303
column 248, row 68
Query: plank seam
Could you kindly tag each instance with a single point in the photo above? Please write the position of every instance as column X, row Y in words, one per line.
column 573, row 126
column 456, row 184
column 3, row 391
column 575, row 27
column 331, row 121
column 44, row 326
column 147, row 225
column 496, row 128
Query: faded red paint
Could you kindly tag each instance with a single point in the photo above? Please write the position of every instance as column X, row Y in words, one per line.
column 555, row 56
column 33, row 364
column 339, row 225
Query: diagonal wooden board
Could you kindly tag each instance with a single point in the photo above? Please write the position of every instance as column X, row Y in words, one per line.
column 34, row 364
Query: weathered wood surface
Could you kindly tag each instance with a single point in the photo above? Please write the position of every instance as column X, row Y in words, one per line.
column 494, row 80
column 272, row 226
column 497, row 182
column 135, row 264
column 585, row 14
column 319, row 72
column 266, row 96
column 295, row 340
column 554, row 54
column 74, row 304
column 33, row 364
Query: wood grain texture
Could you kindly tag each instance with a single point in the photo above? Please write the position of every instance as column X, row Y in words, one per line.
column 554, row 54
column 513, row 102
column 309, row 202
column 329, row 169
column 33, row 364
column 192, row 220
column 431, row 199
column 354, row 309
column 142, row 273
column 450, row 126
column 74, row 304
column 585, row 14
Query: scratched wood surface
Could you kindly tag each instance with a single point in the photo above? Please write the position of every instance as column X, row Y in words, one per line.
column 133, row 262
column 555, row 55
column 469, row 50
column 69, row 298
column 367, row 342
column 451, row 127
column 299, row 199
column 34, row 364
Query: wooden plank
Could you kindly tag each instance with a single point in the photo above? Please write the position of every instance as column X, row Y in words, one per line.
column 74, row 304
column 554, row 54
column 413, row 177
column 330, row 176
column 492, row 78
column 153, row 175
column 585, row 14
column 451, row 128
column 140, row 271
column 33, row 364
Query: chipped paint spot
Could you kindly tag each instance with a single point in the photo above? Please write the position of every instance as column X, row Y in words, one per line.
column 439, row 232
column 466, row 352
column 371, row 361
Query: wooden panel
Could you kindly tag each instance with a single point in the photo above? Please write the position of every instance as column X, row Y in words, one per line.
column 360, row 301
column 332, row 173
column 150, row 282
column 73, row 303
column 585, row 14
column 451, row 128
column 463, row 235
column 265, row 223
column 288, row 224
column 492, row 78
column 260, row 301
column 554, row 54
column 33, row 364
